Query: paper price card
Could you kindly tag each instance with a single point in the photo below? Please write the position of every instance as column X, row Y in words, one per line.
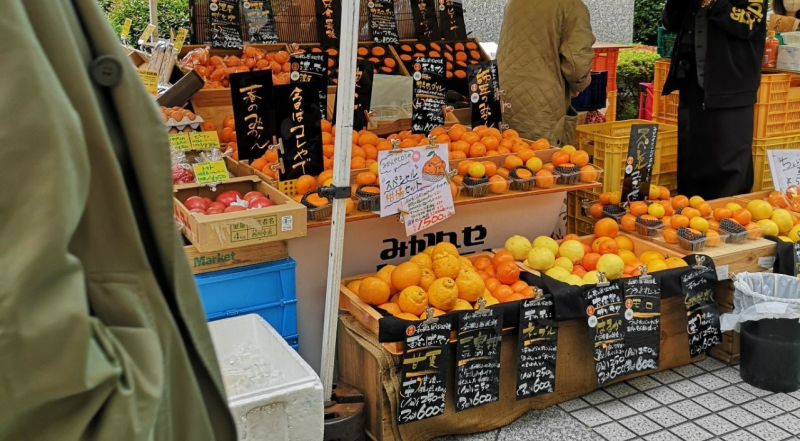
column 408, row 172
column 480, row 335
column 180, row 141
column 607, row 331
column 204, row 140
column 126, row 28
column 428, row 208
column 150, row 80
column 538, row 344
column 785, row 168
column 148, row 31
column 210, row 172
column 423, row 374
column 642, row 324
column 179, row 39
column 702, row 313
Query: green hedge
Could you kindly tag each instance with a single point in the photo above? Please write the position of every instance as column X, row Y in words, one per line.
column 635, row 66
column 172, row 14
column 646, row 19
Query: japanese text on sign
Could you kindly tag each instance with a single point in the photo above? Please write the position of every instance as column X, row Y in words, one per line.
column 382, row 21
column 642, row 324
column 328, row 21
column 606, row 330
column 702, row 313
column 150, row 80
column 785, row 168
column 260, row 21
column 423, row 373
column 429, row 93
column 204, row 140
column 484, row 88
column 428, row 208
column 425, row 23
column 537, row 348
column 451, row 13
column 180, row 141
column 225, row 30
column 407, row 172
column 251, row 95
column 478, row 358
column 639, row 164
column 210, row 172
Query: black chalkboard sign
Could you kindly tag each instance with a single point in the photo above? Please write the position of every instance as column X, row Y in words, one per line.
column 329, row 22
column 225, row 29
column 484, row 95
column 382, row 21
column 639, row 165
column 260, row 21
column 312, row 67
column 478, row 358
column 297, row 118
column 702, row 313
column 423, row 373
column 606, row 330
column 642, row 323
column 253, row 112
column 451, row 15
column 796, row 254
column 538, row 344
column 429, row 91
column 425, row 23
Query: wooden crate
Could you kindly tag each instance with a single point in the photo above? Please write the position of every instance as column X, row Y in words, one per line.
column 365, row 364
column 222, row 260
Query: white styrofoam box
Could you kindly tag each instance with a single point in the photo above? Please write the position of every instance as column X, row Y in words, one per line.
column 789, row 58
column 273, row 394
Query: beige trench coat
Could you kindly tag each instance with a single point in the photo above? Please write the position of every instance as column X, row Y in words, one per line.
column 102, row 334
column 544, row 54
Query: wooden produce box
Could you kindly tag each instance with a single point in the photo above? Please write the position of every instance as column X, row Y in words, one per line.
column 367, row 365
column 227, row 259
column 285, row 220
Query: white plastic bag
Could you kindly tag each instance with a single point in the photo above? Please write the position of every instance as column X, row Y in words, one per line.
column 763, row 296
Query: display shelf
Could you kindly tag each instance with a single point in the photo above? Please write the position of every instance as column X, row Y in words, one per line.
column 463, row 200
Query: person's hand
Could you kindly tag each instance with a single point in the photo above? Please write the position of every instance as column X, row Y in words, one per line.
column 574, row 94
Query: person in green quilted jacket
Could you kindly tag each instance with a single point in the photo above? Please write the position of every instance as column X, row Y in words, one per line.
column 544, row 57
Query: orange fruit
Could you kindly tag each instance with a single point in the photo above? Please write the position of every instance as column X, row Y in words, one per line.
column 638, row 208
column 460, row 146
column 579, row 158
column 510, row 133
column 754, row 230
column 678, row 221
column 628, row 222
column 368, row 138
column 463, row 167
column 670, row 235
column 491, row 168
column 624, row 243
column 492, row 284
column 482, row 263
column 456, row 132
column 373, row 291
column 502, row 171
column 589, row 261
column 775, row 198
column 691, row 213
column 324, row 176
column 358, row 163
column 490, row 142
column 457, row 155
column 512, row 161
column 571, row 237
column 606, row 227
column 503, row 292
column 664, row 193
column 525, row 155
column 305, row 184
column 507, row 272
column 545, row 178
column 519, row 146
column 596, row 210
column 470, row 138
column 502, row 256
column 541, row 144
column 477, row 150
column 405, row 275
column 704, row 209
column 722, row 213
column 713, row 225
column 370, row 152
column 498, row 184
column 326, row 126
column 712, row 238
column 437, row 131
column 680, row 201
column 597, row 242
column 366, row 178
column 413, row 300
column 589, row 174
column 518, row 286
column 743, row 216
column 559, row 158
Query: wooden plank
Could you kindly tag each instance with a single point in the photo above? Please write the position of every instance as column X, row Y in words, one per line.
column 235, row 258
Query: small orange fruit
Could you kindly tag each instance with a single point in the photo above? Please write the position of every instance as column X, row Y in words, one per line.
column 305, row 184
column 606, row 227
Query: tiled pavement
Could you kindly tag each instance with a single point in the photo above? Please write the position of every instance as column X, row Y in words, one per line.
column 702, row 401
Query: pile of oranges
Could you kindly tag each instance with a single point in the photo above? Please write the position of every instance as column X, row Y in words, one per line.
column 215, row 70
column 479, row 142
column 442, row 279
column 226, row 135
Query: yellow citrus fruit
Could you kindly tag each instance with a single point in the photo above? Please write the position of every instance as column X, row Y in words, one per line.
column 615, row 198
column 575, row 280
column 444, row 248
column 794, row 234
column 676, row 262
column 656, row 265
column 422, row 260
column 699, row 224
column 612, row 265
column 541, row 259
column 624, row 243
column 568, row 149
column 391, row 308
column 572, row 250
column 591, row 278
column 354, row 285
column 546, row 242
column 785, row 239
column 446, row 266
column 558, row 273
column 429, row 251
column 534, row 164
column 374, row 291
column 413, row 300
column 385, row 274
column 696, row 201
column 462, row 305
column 627, row 256
column 760, row 209
column 436, row 313
column 407, row 316
column 783, row 220
column 565, row 263
column 443, row 293
column 466, row 263
column 395, row 299
column 650, row 255
column 518, row 246
column 427, row 279
column 470, row 286
column 656, row 210
column 769, row 226
column 405, row 275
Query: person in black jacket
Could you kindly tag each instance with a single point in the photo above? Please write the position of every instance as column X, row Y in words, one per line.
column 716, row 66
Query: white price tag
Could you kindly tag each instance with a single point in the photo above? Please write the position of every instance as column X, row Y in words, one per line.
column 785, row 168
column 767, row 262
column 722, row 272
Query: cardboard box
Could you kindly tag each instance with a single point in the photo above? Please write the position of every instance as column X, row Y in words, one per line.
column 789, row 58
column 285, row 220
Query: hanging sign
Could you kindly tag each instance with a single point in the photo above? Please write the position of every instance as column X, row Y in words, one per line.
column 606, row 330
column 260, row 21
column 478, row 358
column 226, row 24
column 484, row 89
column 639, row 165
column 204, row 140
column 382, row 21
column 538, row 343
column 179, row 39
column 210, row 172
column 451, row 15
column 180, row 141
column 329, row 22
column 150, row 80
column 404, row 173
column 126, row 29
column 642, row 314
column 298, row 122
column 425, row 22
column 251, row 95
column 702, row 313
column 429, row 92
column 428, row 208
column 312, row 68
column 785, row 168
column 148, row 31
column 423, row 372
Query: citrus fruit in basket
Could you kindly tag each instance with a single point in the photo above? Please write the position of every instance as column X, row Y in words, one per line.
column 680, row 202
column 476, row 170
column 777, row 199
column 385, row 274
column 608, row 247
column 769, row 226
column 624, row 243
column 612, row 265
column 546, row 242
column 444, row 248
column 490, row 301
column 469, row 285
column 656, row 210
column 446, row 266
column 541, row 259
column 699, row 224
column 541, row 144
column 742, row 216
column 670, row 235
column 391, row 308
column 498, row 184
column 518, row 246
column 722, row 213
column 572, row 250
column 627, row 256
column 628, row 222
column 695, row 201
column 783, row 220
column 462, row 305
column 589, row 261
column 502, row 256
column 676, row 262
column 427, row 278
column 405, row 275
column 656, row 265
column 655, row 192
column 558, row 273
column 565, row 263
column 591, row 278
column 436, row 313
column 606, row 227
column 422, row 260
column 760, row 209
column 354, row 286
column 374, row 291
column 665, row 193
column 413, row 300
column 407, row 316
column 650, row 255
column 507, row 273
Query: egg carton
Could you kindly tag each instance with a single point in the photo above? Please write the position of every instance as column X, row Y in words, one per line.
column 182, row 124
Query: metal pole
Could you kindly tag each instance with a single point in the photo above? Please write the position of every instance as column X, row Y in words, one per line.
column 345, row 99
column 154, row 19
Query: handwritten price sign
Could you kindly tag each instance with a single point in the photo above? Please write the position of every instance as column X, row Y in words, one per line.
column 426, row 209
column 410, row 172
column 785, row 167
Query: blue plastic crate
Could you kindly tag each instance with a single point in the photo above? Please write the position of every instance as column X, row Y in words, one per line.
column 594, row 96
column 266, row 289
column 293, row 341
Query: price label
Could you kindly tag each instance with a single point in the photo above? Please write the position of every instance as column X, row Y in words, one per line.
column 702, row 313
column 179, row 39
column 210, row 172
column 411, row 172
column 150, row 80
column 767, row 262
column 426, row 209
column 204, row 140
column 126, row 28
column 148, row 31
column 785, row 168
column 180, row 141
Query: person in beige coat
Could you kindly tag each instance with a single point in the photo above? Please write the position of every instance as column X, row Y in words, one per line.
column 544, row 57
column 102, row 334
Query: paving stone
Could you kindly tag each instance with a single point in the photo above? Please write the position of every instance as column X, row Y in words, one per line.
column 573, row 405
column 741, row 435
column 712, row 402
column 665, row 417
column 551, row 424
column 616, row 409
column 664, row 395
column 691, row 432
column 644, row 383
column 591, row 417
column 761, row 408
column 768, row 431
column 729, row 374
column 689, row 370
column 597, row 397
column 620, row 390
column 640, row 425
column 788, row 422
column 667, row 377
column 615, row 432
column 711, row 381
column 716, row 425
column 689, row 409
column 688, row 388
column 740, row 417
column 736, row 395
column 784, row 401
column 662, row 436
column 710, row 364
column 641, row 402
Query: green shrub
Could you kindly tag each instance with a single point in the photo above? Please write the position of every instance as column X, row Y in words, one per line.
column 646, row 20
column 635, row 66
column 172, row 14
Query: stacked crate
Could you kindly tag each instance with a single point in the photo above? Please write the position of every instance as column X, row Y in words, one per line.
column 605, row 60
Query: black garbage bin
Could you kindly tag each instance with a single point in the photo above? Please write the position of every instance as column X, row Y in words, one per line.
column 770, row 354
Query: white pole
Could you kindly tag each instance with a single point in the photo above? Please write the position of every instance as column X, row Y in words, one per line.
column 154, row 19
column 345, row 99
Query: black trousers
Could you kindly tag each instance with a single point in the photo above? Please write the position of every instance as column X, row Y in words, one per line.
column 714, row 147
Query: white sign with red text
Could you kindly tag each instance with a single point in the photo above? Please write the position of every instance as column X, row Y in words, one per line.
column 406, row 173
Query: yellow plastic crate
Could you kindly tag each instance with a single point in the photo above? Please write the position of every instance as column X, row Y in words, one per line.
column 660, row 74
column 578, row 222
column 777, row 118
column 762, row 175
column 608, row 144
column 665, row 107
column 611, row 109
